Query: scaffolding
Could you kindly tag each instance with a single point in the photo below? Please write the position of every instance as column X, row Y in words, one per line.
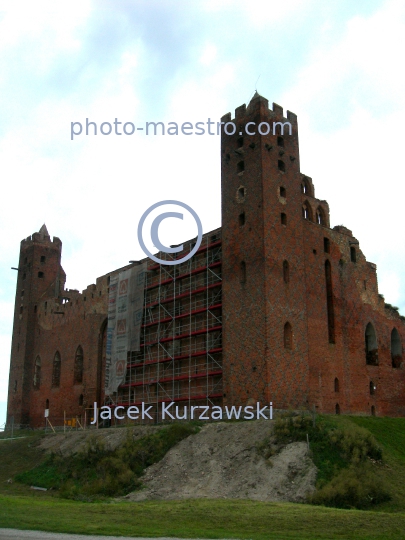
column 181, row 336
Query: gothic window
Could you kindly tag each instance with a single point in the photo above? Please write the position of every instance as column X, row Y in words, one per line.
column 336, row 384
column 372, row 388
column 56, row 370
column 320, row 216
column 396, row 349
column 371, row 346
column 307, row 211
column 326, row 245
column 37, row 372
column 288, row 336
column 78, row 372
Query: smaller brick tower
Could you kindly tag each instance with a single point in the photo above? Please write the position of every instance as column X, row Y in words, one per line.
column 40, row 276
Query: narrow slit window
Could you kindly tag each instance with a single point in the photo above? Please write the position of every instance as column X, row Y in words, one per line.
column 281, row 165
column 283, row 219
column 326, row 245
column 283, row 192
column 286, row 272
column 280, row 141
column 243, row 272
column 353, row 256
column 288, row 336
column 242, row 219
column 336, row 384
column 240, row 166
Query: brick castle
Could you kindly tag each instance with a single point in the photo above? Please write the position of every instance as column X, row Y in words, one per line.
column 275, row 306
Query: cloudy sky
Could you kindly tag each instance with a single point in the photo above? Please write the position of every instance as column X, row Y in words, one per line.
column 338, row 65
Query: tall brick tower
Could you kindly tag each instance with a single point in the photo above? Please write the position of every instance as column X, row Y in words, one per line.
column 263, row 247
column 40, row 276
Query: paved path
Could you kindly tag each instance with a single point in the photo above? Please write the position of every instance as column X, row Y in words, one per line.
column 14, row 534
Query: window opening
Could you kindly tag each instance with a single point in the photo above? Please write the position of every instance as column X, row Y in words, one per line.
column 286, row 272
column 396, row 349
column 353, row 254
column 56, row 370
column 288, row 336
column 78, row 371
column 243, row 272
column 371, row 346
column 37, row 372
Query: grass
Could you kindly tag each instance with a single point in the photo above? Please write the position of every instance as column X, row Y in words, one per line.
column 20, row 507
column 98, row 472
column 200, row 518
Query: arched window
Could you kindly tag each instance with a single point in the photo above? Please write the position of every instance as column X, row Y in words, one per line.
column 337, row 408
column 307, row 211
column 286, row 271
column 396, row 349
column 37, row 372
column 305, row 187
column 288, row 336
column 372, row 388
column 371, row 346
column 78, row 372
column 336, row 384
column 56, row 370
column 320, row 216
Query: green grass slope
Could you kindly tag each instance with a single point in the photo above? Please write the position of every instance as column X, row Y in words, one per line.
column 23, row 508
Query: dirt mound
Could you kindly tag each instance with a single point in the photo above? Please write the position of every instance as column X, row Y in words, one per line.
column 222, row 461
column 75, row 441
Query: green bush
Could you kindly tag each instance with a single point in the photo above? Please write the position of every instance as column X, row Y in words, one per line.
column 354, row 487
column 346, row 475
column 100, row 472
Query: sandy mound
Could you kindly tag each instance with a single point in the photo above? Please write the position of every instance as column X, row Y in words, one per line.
column 222, row 462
